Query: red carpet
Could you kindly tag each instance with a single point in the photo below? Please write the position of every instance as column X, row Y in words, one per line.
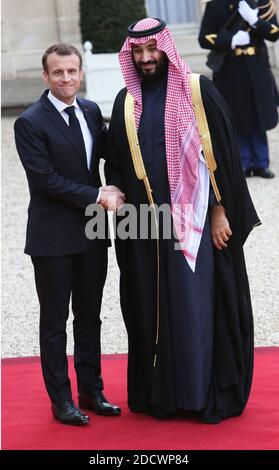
column 28, row 424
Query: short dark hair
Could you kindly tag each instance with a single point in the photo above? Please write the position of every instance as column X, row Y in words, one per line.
column 61, row 49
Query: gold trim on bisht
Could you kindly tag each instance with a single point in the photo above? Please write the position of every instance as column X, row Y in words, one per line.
column 140, row 171
column 271, row 6
column 135, row 147
column 211, row 38
column 204, row 131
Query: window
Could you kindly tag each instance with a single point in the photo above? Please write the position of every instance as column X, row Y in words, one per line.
column 174, row 11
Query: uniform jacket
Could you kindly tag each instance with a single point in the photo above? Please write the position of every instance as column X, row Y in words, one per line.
column 245, row 81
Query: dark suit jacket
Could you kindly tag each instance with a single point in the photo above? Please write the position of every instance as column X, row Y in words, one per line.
column 60, row 184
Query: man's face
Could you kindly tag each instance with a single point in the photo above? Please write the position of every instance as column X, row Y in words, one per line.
column 63, row 76
column 149, row 61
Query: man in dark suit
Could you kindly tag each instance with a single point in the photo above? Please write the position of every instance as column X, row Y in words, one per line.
column 60, row 140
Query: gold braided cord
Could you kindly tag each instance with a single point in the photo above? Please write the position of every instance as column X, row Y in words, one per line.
column 261, row 7
column 270, row 12
column 204, row 131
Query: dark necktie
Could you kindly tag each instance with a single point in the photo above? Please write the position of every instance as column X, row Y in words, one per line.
column 76, row 130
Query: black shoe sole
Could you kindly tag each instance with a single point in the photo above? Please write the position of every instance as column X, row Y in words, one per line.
column 69, row 423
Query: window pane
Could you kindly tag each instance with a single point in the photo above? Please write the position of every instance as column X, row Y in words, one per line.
column 174, row 11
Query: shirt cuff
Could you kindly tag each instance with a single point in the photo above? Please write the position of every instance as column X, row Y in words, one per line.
column 98, row 197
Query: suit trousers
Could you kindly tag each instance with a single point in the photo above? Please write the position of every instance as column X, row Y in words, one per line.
column 81, row 277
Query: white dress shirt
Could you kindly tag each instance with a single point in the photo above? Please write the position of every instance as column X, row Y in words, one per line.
column 87, row 136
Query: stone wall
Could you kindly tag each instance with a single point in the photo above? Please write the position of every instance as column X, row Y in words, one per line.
column 30, row 26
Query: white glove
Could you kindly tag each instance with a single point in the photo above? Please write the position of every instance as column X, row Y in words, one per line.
column 248, row 14
column 241, row 38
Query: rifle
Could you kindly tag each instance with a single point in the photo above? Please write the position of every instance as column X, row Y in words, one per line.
column 215, row 59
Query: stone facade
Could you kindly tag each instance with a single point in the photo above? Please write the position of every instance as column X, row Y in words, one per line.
column 29, row 27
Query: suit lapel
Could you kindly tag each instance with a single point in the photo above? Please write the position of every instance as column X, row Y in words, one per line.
column 56, row 118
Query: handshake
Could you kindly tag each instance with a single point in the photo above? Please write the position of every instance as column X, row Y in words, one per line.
column 111, row 198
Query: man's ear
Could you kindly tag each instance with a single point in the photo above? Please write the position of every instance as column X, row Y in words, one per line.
column 45, row 76
column 81, row 74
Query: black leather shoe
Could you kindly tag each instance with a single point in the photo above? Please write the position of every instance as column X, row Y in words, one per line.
column 68, row 413
column 98, row 403
column 248, row 172
column 264, row 173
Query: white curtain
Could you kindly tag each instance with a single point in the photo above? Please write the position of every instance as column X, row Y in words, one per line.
column 174, row 11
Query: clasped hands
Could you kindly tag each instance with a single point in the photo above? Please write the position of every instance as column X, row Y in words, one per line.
column 111, row 198
column 242, row 38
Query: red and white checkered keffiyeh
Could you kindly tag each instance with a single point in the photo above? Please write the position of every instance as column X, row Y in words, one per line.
column 188, row 179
